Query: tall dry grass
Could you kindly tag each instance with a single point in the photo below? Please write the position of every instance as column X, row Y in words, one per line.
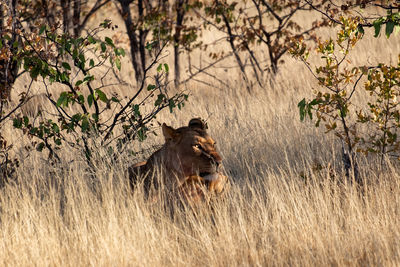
column 280, row 209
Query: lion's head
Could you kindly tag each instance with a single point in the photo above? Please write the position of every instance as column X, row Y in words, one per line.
column 191, row 150
column 188, row 160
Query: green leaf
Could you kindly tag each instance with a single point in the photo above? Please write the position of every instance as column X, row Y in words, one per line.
column 76, row 117
column 389, row 28
column 75, row 54
column 79, row 82
column 42, row 29
column 109, row 41
column 151, row 87
column 82, row 58
column 119, row 52
column 315, row 102
column 90, row 100
column 66, row 66
column 78, row 41
column 159, row 68
column 166, row 67
column 149, row 46
column 106, row 23
column 17, row 123
column 360, row 29
column 118, row 63
column 343, row 111
column 88, row 78
column 309, row 111
column 142, row 134
column 103, row 47
column 91, row 63
column 33, row 131
column 181, row 105
column 171, row 104
column 301, row 105
column 62, row 99
column 57, row 141
column 114, row 99
column 64, row 77
column 159, row 100
column 85, row 124
column 56, row 129
column 35, row 72
column 91, row 39
column 68, row 47
column 102, row 95
column 40, row 146
column 377, row 25
column 26, row 121
column 95, row 116
column 81, row 99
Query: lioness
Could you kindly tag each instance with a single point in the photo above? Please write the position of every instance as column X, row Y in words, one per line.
column 188, row 161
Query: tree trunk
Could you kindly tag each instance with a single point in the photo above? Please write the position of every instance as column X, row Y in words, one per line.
column 9, row 72
column 77, row 18
column 1, row 18
column 176, row 66
column 180, row 14
column 142, row 39
column 231, row 39
column 133, row 39
column 48, row 15
column 66, row 6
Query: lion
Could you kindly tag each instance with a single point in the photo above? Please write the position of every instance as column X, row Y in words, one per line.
column 189, row 162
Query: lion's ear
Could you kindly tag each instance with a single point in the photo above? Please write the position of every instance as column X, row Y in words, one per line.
column 168, row 132
column 198, row 123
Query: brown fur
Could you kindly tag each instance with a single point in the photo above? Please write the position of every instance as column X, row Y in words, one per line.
column 188, row 161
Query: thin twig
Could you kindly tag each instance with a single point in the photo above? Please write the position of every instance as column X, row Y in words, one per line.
column 201, row 70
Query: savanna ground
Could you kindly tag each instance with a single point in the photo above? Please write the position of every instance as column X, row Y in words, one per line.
column 289, row 202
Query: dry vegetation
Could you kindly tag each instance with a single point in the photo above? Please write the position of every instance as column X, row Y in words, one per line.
column 280, row 210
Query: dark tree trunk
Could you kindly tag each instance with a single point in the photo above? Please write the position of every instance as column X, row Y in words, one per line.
column 9, row 70
column 176, row 65
column 180, row 14
column 231, row 39
column 66, row 6
column 137, row 38
column 142, row 36
column 1, row 19
column 49, row 15
column 77, row 18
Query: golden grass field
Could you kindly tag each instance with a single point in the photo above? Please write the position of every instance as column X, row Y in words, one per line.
column 279, row 211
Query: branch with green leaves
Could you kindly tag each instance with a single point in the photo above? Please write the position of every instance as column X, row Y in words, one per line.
column 370, row 127
column 70, row 62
